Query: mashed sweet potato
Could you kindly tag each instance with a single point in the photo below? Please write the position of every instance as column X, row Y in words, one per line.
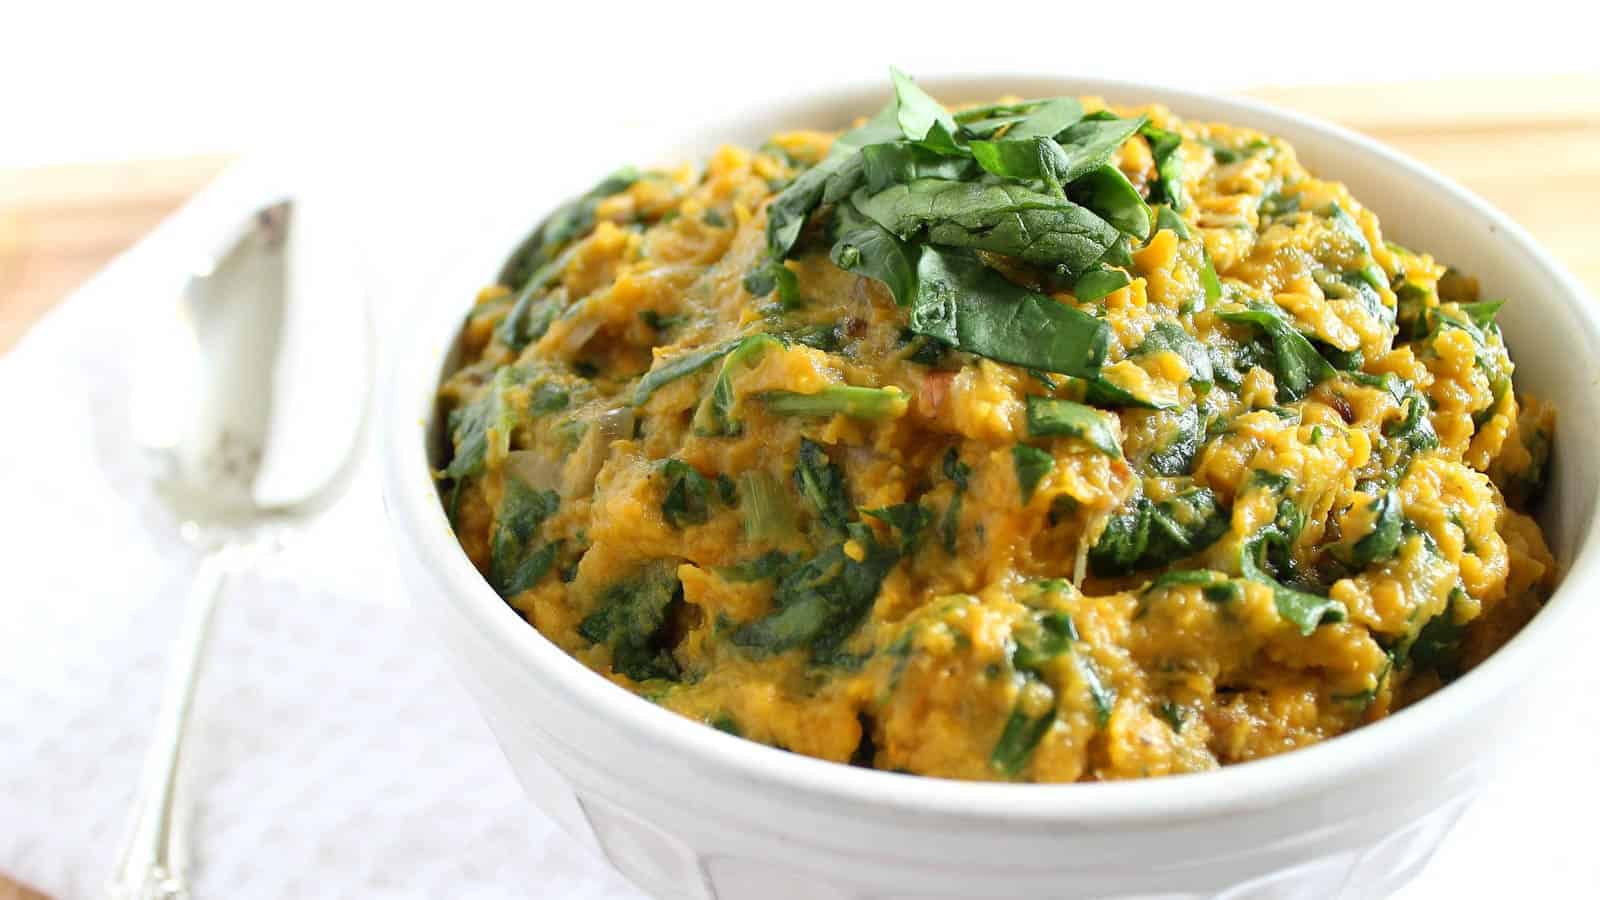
column 1038, row 441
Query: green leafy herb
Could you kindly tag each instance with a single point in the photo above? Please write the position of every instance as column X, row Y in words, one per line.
column 1168, row 219
column 1018, row 740
column 631, row 617
column 821, row 603
column 1108, row 194
column 1295, row 363
column 958, row 472
column 1001, row 218
column 687, row 500
column 901, row 162
column 1046, row 118
column 1096, row 284
column 475, row 425
column 971, row 307
column 768, row 565
column 1302, row 609
column 1413, row 432
column 1164, row 148
column 1046, row 636
column 1209, row 281
column 567, row 222
column 1215, row 587
column 922, row 119
column 910, row 519
column 839, row 400
column 1063, row 418
column 1437, row 647
column 1170, row 336
column 714, row 417
column 1149, row 535
column 822, row 484
column 1383, row 541
column 548, row 398
column 1187, row 435
column 675, row 367
column 1032, row 464
column 516, row 561
column 1102, row 695
column 529, row 318
column 1482, row 313
column 773, row 274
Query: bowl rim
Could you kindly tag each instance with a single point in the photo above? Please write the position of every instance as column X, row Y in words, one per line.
column 415, row 511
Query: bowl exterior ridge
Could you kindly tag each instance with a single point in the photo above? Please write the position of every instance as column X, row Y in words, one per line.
column 687, row 812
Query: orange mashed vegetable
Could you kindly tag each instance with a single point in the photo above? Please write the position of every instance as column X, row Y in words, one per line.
column 745, row 487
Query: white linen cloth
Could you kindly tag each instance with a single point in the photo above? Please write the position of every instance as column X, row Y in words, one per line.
column 333, row 754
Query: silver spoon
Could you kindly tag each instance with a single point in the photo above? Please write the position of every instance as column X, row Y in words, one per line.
column 249, row 406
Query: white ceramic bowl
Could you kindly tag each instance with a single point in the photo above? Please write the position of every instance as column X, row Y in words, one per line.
column 688, row 812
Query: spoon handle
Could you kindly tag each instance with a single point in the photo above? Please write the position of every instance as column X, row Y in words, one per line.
column 154, row 859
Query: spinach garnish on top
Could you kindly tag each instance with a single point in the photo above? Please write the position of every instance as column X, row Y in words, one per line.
column 916, row 196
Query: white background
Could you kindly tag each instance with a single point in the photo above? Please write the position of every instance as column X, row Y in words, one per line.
column 81, row 80
column 420, row 105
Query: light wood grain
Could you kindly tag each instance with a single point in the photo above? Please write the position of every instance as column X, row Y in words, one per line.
column 1529, row 146
column 11, row 890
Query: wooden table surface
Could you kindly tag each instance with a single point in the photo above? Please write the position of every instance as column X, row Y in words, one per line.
column 1530, row 146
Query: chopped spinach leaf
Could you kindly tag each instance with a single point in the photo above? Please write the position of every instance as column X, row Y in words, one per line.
column 714, row 417
column 1096, row 284
column 822, row 484
column 687, row 500
column 839, row 400
column 821, row 603
column 902, row 162
column 1383, row 541
column 561, row 226
column 1164, row 148
column 1167, row 219
column 772, row 273
column 768, row 514
column 910, row 519
column 1032, row 465
column 973, row 308
column 1047, row 119
column 1018, row 740
column 1295, row 363
column 675, row 367
column 1176, row 456
column 1001, row 218
column 1148, row 535
column 1170, row 337
column 958, row 472
column 631, row 617
column 516, row 561
column 922, row 119
column 1215, row 587
column 1063, row 418
column 1048, row 635
column 1108, row 194
column 771, row 564
column 474, row 426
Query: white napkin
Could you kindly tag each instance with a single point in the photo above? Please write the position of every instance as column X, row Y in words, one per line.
column 334, row 755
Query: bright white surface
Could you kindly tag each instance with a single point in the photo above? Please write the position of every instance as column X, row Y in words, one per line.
column 106, row 80
column 343, row 761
